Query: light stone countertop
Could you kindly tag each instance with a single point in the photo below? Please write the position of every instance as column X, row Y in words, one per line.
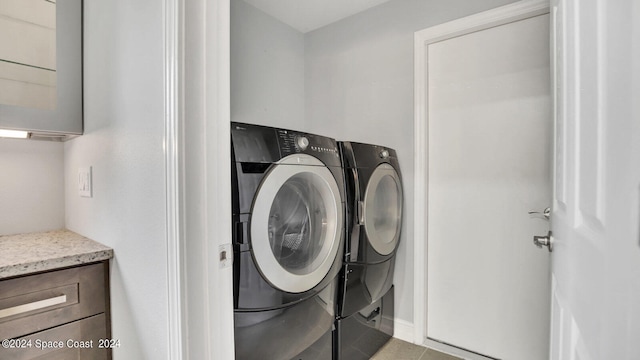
column 24, row 254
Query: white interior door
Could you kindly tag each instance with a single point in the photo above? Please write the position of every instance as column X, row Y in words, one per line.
column 490, row 134
column 596, row 258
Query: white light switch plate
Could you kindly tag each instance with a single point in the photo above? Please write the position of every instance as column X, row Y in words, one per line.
column 84, row 182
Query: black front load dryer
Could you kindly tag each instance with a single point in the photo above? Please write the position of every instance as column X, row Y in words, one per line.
column 374, row 194
column 288, row 230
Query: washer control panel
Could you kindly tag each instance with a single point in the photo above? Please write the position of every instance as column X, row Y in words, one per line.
column 293, row 142
column 262, row 144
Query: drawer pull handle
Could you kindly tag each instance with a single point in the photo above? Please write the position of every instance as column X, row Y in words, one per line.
column 36, row 305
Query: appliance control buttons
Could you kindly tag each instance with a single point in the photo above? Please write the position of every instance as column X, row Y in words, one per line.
column 384, row 154
column 323, row 149
column 302, row 142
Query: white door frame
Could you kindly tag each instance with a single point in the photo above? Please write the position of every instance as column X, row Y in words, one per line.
column 491, row 18
column 198, row 178
column 172, row 152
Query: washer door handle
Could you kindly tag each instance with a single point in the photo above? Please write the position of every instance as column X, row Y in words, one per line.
column 360, row 212
column 240, row 229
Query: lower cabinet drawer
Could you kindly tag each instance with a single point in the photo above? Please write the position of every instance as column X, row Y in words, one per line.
column 38, row 302
column 79, row 340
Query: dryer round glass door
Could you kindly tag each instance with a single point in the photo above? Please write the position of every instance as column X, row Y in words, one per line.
column 296, row 224
column 383, row 209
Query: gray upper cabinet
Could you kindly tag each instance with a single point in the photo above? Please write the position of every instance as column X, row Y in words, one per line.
column 41, row 67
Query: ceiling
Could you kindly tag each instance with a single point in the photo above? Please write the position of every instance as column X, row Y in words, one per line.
column 308, row 15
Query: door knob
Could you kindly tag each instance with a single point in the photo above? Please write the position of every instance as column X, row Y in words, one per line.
column 543, row 215
column 545, row 240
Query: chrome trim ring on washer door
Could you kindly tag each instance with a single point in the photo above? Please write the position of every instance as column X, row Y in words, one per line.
column 296, row 226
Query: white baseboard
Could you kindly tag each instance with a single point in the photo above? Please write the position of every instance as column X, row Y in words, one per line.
column 403, row 330
column 452, row 350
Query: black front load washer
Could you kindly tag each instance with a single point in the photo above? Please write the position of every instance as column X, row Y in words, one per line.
column 374, row 193
column 288, row 230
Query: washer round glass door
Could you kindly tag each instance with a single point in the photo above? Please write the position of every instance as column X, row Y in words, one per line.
column 296, row 224
column 383, row 209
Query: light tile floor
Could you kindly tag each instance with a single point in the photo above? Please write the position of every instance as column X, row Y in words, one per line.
column 401, row 350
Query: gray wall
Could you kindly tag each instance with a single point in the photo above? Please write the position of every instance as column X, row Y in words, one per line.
column 359, row 86
column 267, row 69
column 123, row 142
column 31, row 186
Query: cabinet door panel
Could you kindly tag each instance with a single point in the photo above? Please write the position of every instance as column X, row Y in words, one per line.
column 75, row 341
column 33, row 303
